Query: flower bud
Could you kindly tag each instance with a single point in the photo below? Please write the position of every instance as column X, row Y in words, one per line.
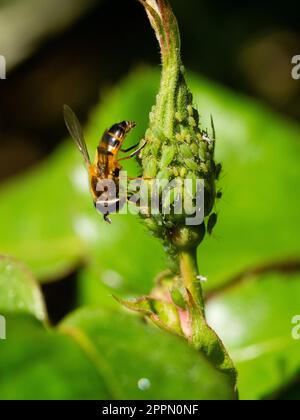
column 177, row 147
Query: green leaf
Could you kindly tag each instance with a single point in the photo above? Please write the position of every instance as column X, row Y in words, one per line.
column 41, row 364
column 90, row 359
column 132, row 350
column 19, row 292
column 256, row 216
column 164, row 314
column 40, row 210
column 254, row 319
column 51, row 223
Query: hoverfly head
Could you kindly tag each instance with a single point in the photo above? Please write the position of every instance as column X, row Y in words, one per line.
column 128, row 125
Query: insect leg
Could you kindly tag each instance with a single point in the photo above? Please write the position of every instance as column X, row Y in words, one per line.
column 107, row 218
column 135, row 153
column 140, row 178
column 130, row 148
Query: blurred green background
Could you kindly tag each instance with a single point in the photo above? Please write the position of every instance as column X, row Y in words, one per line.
column 101, row 58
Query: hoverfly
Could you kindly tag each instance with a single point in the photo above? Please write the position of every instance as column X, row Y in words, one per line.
column 107, row 164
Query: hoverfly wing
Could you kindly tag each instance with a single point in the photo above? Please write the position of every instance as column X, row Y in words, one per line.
column 102, row 158
column 76, row 132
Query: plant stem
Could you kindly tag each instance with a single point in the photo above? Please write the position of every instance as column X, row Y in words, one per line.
column 177, row 149
column 189, row 272
column 203, row 337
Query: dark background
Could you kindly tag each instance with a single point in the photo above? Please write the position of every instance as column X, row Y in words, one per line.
column 246, row 45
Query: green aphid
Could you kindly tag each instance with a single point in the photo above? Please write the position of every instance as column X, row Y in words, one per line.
column 159, row 135
column 185, row 151
column 169, row 224
column 164, row 174
column 151, row 225
column 192, row 122
column 150, row 168
column 183, row 172
column 190, row 97
column 194, row 149
column 202, row 152
column 155, row 147
column 219, row 195
column 169, row 197
column 203, row 167
column 213, row 218
column 209, row 198
column 218, row 170
column 178, row 137
column 190, row 110
column 191, row 164
column 191, row 186
column 196, row 117
column 175, row 171
column 179, row 117
column 188, row 138
column 168, row 153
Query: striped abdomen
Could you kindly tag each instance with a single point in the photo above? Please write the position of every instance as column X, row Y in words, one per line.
column 110, row 145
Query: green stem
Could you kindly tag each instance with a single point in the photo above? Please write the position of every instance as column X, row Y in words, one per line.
column 189, row 272
column 177, row 149
column 165, row 107
column 203, row 338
